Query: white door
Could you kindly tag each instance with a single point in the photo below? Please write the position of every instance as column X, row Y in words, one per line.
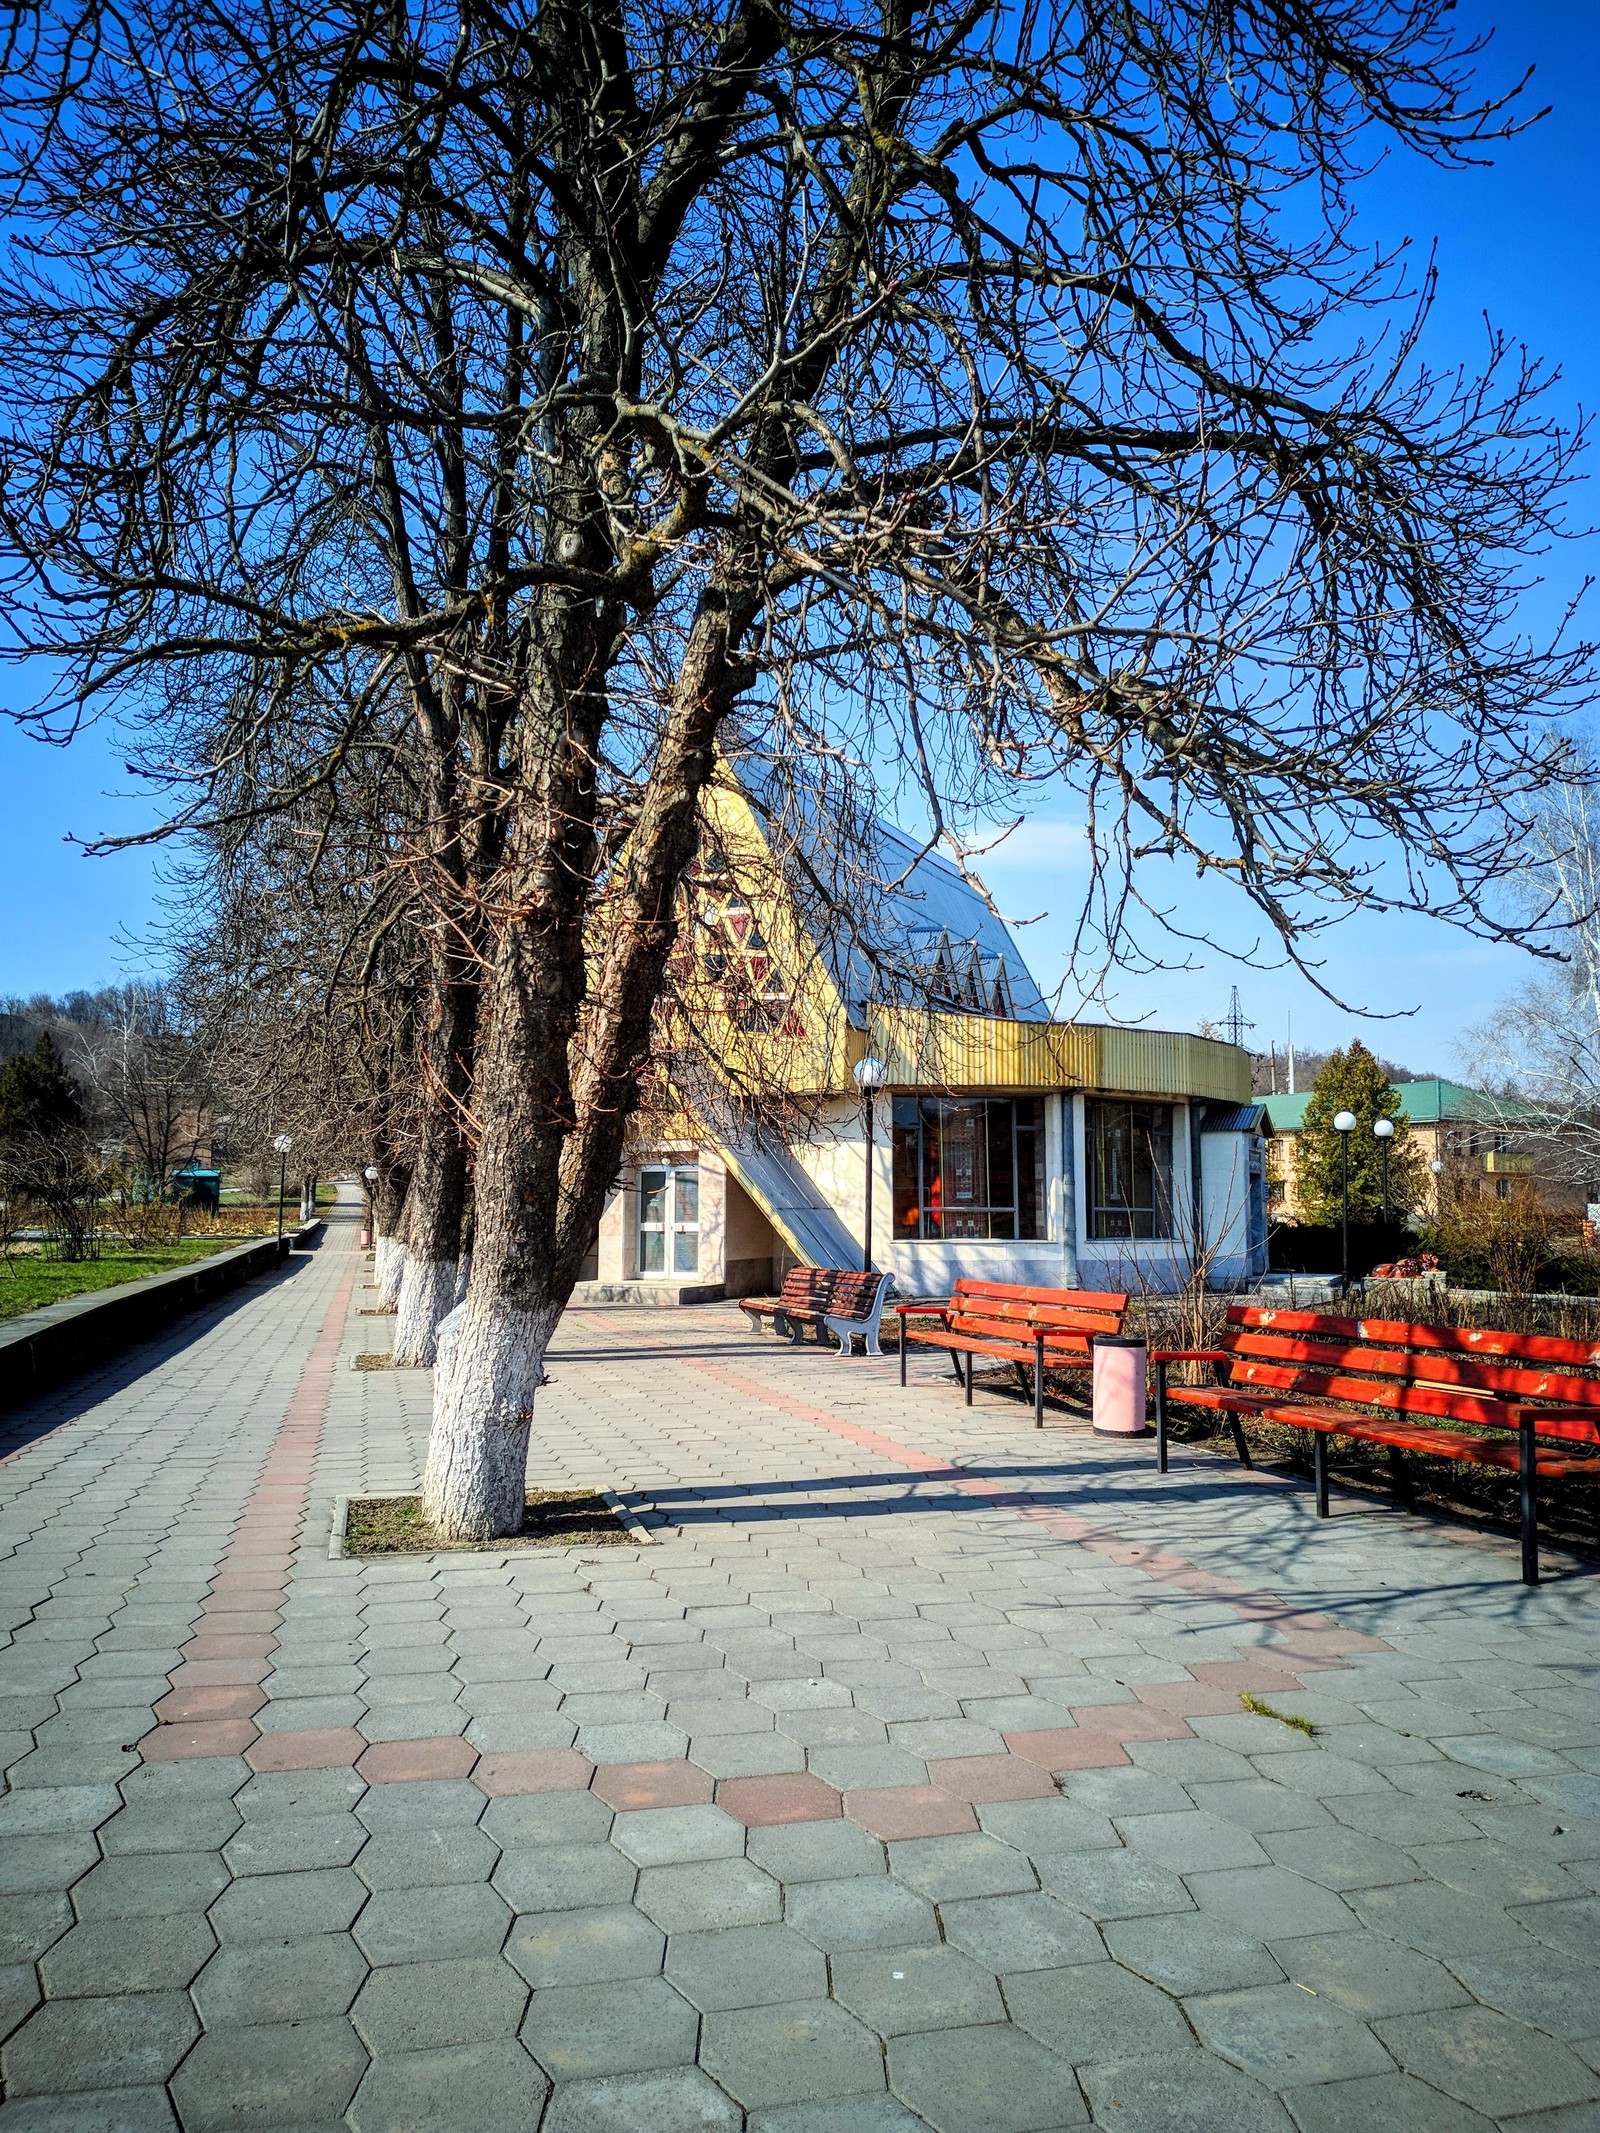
column 669, row 1219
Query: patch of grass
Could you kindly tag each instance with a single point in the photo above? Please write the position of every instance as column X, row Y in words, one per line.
column 381, row 1359
column 394, row 1525
column 1265, row 1710
column 27, row 1284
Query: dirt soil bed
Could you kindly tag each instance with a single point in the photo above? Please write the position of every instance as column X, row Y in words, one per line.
column 394, row 1525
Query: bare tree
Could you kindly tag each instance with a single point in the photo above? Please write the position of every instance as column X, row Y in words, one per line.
column 1541, row 1048
column 972, row 398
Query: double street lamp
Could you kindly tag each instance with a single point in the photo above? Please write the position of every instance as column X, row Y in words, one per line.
column 871, row 1075
column 1345, row 1123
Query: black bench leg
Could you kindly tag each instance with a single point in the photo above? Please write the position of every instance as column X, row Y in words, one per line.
column 1319, row 1462
column 1161, row 1418
column 1530, row 1508
column 1401, row 1473
column 1038, row 1382
column 1239, row 1444
column 903, row 1346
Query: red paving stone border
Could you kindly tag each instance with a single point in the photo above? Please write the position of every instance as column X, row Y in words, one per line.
column 1068, row 1748
column 516, row 1771
column 990, row 1777
column 629, row 1786
column 322, row 1748
column 790, row 1796
column 897, row 1812
column 252, row 1578
column 396, row 1762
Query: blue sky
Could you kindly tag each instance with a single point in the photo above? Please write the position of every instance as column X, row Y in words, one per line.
column 1517, row 241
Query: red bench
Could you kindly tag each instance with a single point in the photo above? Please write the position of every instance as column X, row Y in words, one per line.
column 1035, row 1329
column 834, row 1298
column 1312, row 1372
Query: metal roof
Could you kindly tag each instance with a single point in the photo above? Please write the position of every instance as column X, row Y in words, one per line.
column 1426, row 1103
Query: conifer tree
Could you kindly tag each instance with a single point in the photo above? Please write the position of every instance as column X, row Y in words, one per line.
column 1353, row 1080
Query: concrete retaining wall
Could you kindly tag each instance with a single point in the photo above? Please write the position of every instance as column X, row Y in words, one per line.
column 44, row 1347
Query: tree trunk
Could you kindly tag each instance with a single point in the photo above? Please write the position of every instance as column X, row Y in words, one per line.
column 391, row 1192
column 549, row 1150
column 433, row 1240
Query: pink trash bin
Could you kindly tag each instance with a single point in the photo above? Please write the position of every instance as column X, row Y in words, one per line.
column 1119, row 1386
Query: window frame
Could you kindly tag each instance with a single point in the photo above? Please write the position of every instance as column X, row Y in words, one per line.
column 1101, row 1217
column 912, row 1182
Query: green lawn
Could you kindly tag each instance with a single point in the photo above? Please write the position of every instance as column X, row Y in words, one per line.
column 25, row 1284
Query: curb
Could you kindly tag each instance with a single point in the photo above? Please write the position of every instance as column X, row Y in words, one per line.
column 639, row 1533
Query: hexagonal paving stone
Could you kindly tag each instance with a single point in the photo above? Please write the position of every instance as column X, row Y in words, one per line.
column 945, row 1868
column 802, row 2051
column 547, row 1818
column 99, row 2043
column 426, row 1858
column 1095, row 2011
column 816, row 1851
column 674, row 1836
column 564, row 1877
column 682, row 2101
column 898, row 1990
column 583, row 1947
column 1024, row 1932
column 1184, row 2092
column 424, row 2006
column 149, row 1887
column 269, row 2075
column 290, row 1843
column 1368, row 1973
column 988, row 2080
column 19, row 1995
column 1287, row 2037
column 280, row 1981
column 115, row 1955
column 286, row 1906
column 746, row 1966
column 414, row 1925
column 860, row 1913
column 493, row 2088
column 709, row 1894
column 1190, row 1953
column 581, row 2032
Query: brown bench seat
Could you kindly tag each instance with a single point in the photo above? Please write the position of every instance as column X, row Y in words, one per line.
column 1394, row 1383
column 1033, row 1329
column 838, row 1300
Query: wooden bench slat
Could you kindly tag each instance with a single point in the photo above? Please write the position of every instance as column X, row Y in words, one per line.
column 1425, row 1369
column 1417, row 1334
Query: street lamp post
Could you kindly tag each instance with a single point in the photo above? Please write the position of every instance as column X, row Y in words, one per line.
column 371, row 1176
column 1384, row 1129
column 282, row 1145
column 871, row 1074
column 1345, row 1124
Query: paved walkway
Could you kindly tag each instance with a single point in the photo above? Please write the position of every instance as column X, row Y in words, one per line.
column 902, row 1781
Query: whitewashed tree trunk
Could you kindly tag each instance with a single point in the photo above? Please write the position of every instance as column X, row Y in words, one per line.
column 491, row 1363
column 388, row 1266
column 427, row 1296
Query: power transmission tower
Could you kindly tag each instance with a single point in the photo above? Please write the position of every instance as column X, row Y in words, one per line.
column 1237, row 1022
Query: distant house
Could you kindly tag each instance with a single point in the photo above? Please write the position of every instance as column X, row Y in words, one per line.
column 1006, row 1145
column 1478, row 1140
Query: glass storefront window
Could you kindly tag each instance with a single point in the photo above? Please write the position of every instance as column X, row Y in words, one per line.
column 968, row 1167
column 1130, row 1169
